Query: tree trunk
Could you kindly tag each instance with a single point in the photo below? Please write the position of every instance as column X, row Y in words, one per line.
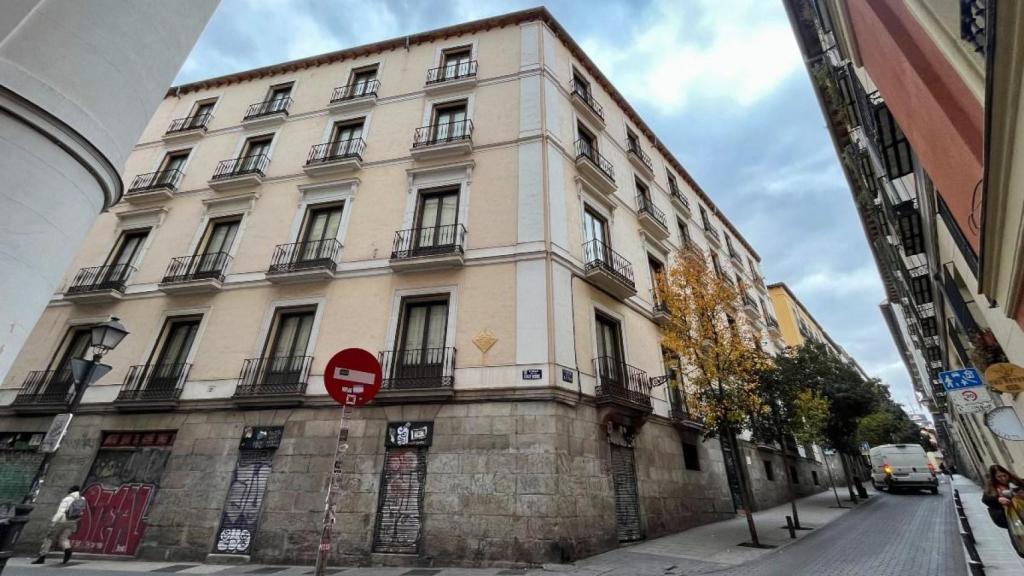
column 792, row 492
column 745, row 495
column 849, row 481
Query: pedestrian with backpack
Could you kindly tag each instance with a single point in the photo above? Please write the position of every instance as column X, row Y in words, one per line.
column 63, row 525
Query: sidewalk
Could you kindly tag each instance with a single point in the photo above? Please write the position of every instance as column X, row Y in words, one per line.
column 700, row 550
column 992, row 542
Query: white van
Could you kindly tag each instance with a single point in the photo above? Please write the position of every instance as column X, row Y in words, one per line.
column 902, row 466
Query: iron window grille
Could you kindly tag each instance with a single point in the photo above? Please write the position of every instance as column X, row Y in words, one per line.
column 154, row 382
column 254, row 164
column 210, row 265
column 168, row 179
column 108, row 277
column 443, row 133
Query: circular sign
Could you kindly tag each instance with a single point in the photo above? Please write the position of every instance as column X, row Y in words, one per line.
column 970, row 395
column 353, row 377
column 1005, row 377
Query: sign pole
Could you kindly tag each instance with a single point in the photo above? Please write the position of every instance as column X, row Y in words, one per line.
column 352, row 377
column 333, row 489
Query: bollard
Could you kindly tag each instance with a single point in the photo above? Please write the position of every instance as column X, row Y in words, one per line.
column 977, row 568
column 972, row 550
column 789, row 526
column 966, row 527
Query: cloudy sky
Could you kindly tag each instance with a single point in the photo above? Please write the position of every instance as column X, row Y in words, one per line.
column 722, row 85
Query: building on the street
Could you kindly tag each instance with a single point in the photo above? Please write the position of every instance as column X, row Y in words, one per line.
column 798, row 326
column 903, row 87
column 78, row 83
column 476, row 204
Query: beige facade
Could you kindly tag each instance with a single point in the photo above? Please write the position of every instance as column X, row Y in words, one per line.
column 528, row 271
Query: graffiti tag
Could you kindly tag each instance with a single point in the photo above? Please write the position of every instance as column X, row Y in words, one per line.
column 113, row 521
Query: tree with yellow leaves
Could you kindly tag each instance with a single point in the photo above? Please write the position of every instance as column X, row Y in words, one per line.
column 720, row 352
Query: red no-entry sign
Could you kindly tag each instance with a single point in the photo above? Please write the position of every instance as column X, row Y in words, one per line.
column 352, row 377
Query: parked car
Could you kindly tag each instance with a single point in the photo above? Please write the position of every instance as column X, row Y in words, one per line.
column 902, row 467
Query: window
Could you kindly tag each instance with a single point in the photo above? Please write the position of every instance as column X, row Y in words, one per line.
column 716, row 265
column 201, row 113
column 587, row 144
column 895, row 148
column 167, row 363
column 609, row 351
column 76, row 344
column 278, row 97
column 657, row 271
column 793, row 476
column 769, row 471
column 673, row 186
column 320, row 232
column 691, row 456
column 362, row 81
column 704, row 218
column 126, row 254
column 580, row 84
column 729, row 247
column 450, row 122
column 437, row 219
column 213, row 251
column 172, row 167
column 455, row 63
column 921, row 287
column 422, row 342
column 287, row 345
column 814, row 477
column 753, row 269
column 595, row 236
column 632, row 142
column 684, row 233
column 254, row 154
column 643, row 196
column 345, row 138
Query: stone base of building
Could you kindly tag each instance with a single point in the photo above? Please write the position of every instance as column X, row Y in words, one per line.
column 460, row 484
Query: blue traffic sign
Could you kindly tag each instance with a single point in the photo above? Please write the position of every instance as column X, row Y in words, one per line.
column 960, row 379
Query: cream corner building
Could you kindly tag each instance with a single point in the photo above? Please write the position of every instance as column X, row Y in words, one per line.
column 479, row 206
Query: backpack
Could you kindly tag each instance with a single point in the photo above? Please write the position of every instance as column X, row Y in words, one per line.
column 77, row 509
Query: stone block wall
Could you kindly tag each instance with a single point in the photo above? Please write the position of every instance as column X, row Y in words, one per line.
column 769, row 493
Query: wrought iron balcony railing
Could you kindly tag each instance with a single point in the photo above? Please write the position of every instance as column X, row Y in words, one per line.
column 109, row 277
column 46, row 387
column 417, row 368
column 677, row 195
column 958, row 304
column 168, row 179
column 451, row 72
column 255, row 164
column 677, row 405
column 646, row 206
column 771, row 322
column 354, row 91
column 268, row 108
column 273, row 376
column 659, row 306
column 196, row 122
column 210, row 265
column 583, row 93
column 749, row 301
column 337, row 150
column 972, row 24
column 711, row 231
column 634, row 148
column 620, row 382
column 444, row 133
column 597, row 254
column 154, row 382
column 429, row 241
column 306, row 255
column 587, row 150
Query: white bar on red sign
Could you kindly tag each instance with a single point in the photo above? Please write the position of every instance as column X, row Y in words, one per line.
column 354, row 375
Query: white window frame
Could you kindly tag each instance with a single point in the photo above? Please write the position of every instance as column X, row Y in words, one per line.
column 399, row 297
column 166, row 315
column 311, row 196
column 425, row 179
column 268, row 321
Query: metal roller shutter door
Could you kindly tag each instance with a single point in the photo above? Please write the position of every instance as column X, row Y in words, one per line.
column 400, row 511
column 627, row 500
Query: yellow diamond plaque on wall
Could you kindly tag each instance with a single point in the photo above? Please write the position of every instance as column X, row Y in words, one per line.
column 485, row 340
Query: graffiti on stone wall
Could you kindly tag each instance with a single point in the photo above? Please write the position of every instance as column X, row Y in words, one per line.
column 119, row 490
column 399, row 516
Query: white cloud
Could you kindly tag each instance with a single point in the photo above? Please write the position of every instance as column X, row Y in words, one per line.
column 735, row 51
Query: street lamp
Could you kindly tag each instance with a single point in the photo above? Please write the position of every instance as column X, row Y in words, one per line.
column 104, row 338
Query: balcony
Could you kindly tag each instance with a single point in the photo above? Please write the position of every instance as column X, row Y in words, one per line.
column 45, row 392
column 594, row 169
column 195, row 274
column 451, row 77
column 307, row 261
column 273, row 381
column 99, row 284
column 659, row 310
column 152, row 387
column 711, row 233
column 159, row 185
column 640, row 160
column 422, row 374
column 773, row 324
column 357, row 96
column 678, row 408
column 429, row 248
column 443, row 140
column 750, row 306
column 239, row 172
column 608, row 270
column 583, row 101
column 623, row 392
column 652, row 219
column 335, row 157
column 267, row 113
column 679, row 201
column 188, row 128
